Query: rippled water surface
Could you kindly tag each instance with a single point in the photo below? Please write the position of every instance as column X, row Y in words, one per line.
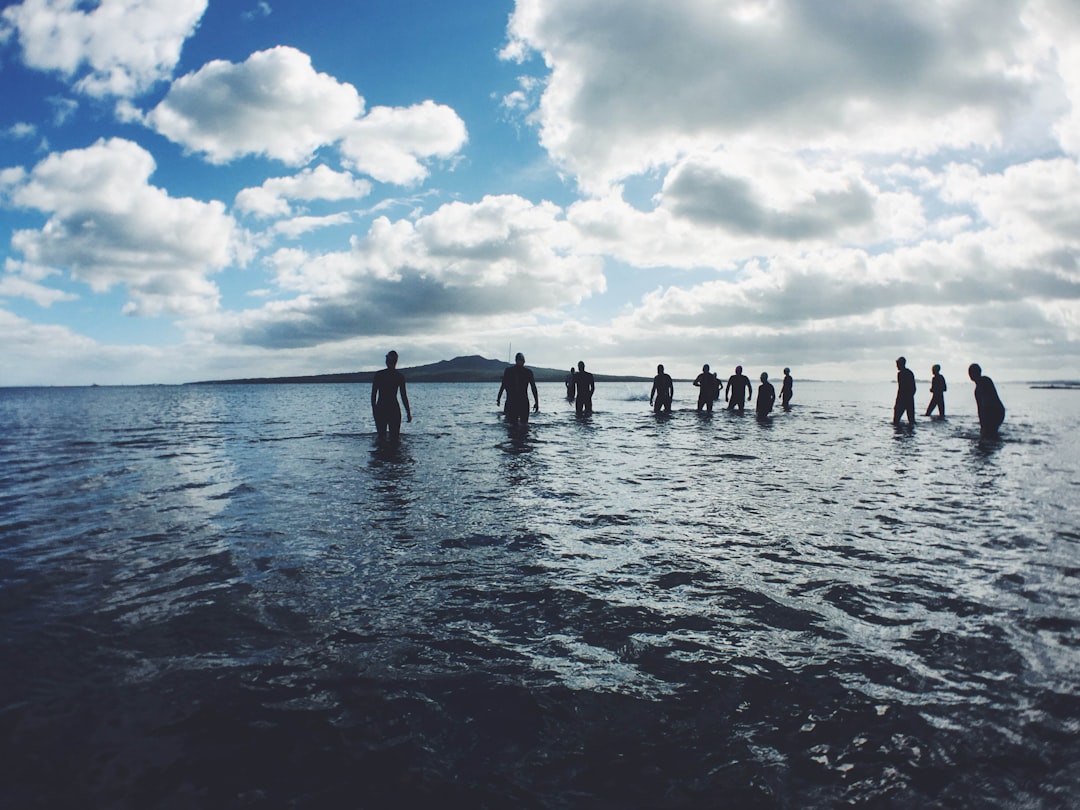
column 233, row 596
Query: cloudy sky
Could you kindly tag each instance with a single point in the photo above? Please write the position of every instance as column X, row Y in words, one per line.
column 199, row 189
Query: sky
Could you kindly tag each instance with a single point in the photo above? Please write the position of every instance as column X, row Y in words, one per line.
column 210, row 189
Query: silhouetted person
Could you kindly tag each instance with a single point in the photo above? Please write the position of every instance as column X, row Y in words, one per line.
column 516, row 382
column 570, row 386
column 991, row 411
column 937, row 392
column 786, row 389
column 584, row 385
column 766, row 396
column 663, row 390
column 708, row 388
column 738, row 391
column 905, row 393
column 385, row 386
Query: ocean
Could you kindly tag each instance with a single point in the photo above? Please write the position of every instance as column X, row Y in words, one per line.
column 235, row 596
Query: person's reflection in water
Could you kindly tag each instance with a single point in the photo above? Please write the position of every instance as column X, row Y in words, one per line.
column 905, row 393
column 991, row 410
column 384, row 399
column 766, row 396
column 786, row 391
column 937, row 392
column 663, row 391
column 585, row 385
column 516, row 382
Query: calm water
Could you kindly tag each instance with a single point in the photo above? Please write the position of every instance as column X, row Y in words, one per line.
column 232, row 597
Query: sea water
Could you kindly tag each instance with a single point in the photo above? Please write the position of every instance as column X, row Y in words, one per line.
column 235, row 596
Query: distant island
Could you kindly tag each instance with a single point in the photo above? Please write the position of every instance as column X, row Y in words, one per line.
column 471, row 369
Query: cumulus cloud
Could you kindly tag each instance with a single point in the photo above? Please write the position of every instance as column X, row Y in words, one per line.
column 911, row 77
column 502, row 257
column 107, row 225
column 319, row 183
column 114, row 47
column 275, row 104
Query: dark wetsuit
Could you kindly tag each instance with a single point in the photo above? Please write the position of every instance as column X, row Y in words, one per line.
column 905, row 396
column 785, row 391
column 516, row 381
column 737, row 387
column 991, row 410
column 766, row 396
column 384, row 407
column 707, row 390
column 585, row 385
column 937, row 395
column 664, row 391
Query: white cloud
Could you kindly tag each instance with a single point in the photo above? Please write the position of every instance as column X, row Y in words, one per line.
column 390, row 142
column 274, row 104
column 298, row 226
column 107, row 225
column 116, row 47
column 21, row 281
column 320, row 183
column 502, row 257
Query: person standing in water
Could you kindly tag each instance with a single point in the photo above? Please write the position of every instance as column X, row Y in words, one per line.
column 991, row 410
column 663, row 389
column 585, row 386
column 937, row 392
column 708, row 388
column 516, row 382
column 786, row 390
column 905, row 393
column 766, row 396
column 739, row 391
column 570, row 386
column 385, row 386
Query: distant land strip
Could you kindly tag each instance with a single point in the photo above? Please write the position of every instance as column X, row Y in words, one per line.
column 473, row 368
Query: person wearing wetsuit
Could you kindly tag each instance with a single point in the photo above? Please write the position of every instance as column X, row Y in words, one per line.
column 937, row 392
column 766, row 396
column 905, row 393
column 584, row 385
column 385, row 386
column 991, row 410
column 785, row 390
column 516, row 382
column 570, row 386
column 663, row 390
column 707, row 388
column 739, row 390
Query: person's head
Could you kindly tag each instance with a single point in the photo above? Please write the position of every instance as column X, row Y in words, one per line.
column 519, row 358
column 901, row 362
column 738, row 369
column 764, row 376
column 580, row 365
column 787, row 370
column 936, row 368
column 974, row 371
column 660, row 369
column 391, row 359
column 705, row 368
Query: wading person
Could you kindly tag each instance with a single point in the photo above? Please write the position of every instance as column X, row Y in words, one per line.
column 663, row 390
column 766, row 396
column 584, row 386
column 708, row 388
column 385, row 386
column 905, row 393
column 991, row 410
column 786, row 389
column 516, row 382
column 937, row 392
column 738, row 391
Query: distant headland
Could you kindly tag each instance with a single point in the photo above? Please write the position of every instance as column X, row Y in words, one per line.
column 473, row 368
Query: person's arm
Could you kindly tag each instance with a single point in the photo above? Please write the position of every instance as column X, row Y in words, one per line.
column 592, row 386
column 749, row 390
column 652, row 393
column 727, row 389
column 502, row 387
column 374, row 392
column 405, row 402
column 536, row 396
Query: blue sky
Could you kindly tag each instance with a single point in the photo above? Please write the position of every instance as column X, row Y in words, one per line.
column 196, row 190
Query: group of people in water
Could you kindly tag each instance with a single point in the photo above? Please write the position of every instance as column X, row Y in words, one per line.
column 987, row 402
column 518, row 382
